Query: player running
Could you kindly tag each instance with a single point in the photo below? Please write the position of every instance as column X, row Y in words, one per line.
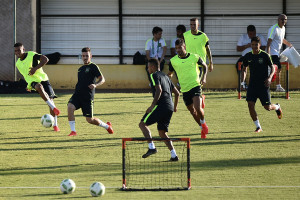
column 161, row 109
column 83, row 96
column 260, row 79
column 30, row 66
column 187, row 66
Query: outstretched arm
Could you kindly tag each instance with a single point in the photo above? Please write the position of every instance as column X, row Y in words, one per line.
column 211, row 65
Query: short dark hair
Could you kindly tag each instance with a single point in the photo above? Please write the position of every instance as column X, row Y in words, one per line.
column 255, row 39
column 251, row 28
column 18, row 44
column 86, row 49
column 179, row 41
column 156, row 29
column 181, row 27
column 153, row 62
column 194, row 19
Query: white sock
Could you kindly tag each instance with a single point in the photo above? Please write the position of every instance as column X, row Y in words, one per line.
column 55, row 121
column 151, row 145
column 50, row 104
column 277, row 107
column 173, row 153
column 104, row 125
column 257, row 124
column 202, row 121
column 72, row 125
column 243, row 83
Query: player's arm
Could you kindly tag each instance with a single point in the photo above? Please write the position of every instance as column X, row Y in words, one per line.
column 287, row 43
column 269, row 79
column 43, row 61
column 158, row 91
column 176, row 99
column 208, row 52
column 163, row 54
column 100, row 81
column 204, row 66
column 268, row 45
column 242, row 48
column 148, row 54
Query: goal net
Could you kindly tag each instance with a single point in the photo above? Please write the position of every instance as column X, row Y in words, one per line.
column 155, row 172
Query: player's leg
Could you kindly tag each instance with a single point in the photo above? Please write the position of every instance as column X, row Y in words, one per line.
column 40, row 89
column 265, row 99
column 87, row 110
column 147, row 120
column 200, row 113
column 276, row 61
column 251, row 99
column 71, row 116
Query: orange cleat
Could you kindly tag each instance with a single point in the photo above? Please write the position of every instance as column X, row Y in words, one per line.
column 258, row 130
column 56, row 128
column 56, row 111
column 110, row 129
column 73, row 133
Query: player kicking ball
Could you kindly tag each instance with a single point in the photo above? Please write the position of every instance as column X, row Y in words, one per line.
column 83, row 96
column 259, row 63
column 30, row 66
column 161, row 109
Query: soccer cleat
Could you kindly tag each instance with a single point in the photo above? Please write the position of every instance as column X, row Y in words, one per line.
column 280, row 89
column 56, row 128
column 244, row 86
column 258, row 130
column 203, row 135
column 149, row 153
column 56, row 111
column 73, row 133
column 203, row 101
column 110, row 129
column 204, row 128
column 279, row 111
column 174, row 159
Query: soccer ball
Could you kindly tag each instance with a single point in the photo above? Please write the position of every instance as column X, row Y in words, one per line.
column 47, row 120
column 67, row 186
column 97, row 189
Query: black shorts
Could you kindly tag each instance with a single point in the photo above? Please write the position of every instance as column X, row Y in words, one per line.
column 276, row 61
column 47, row 87
column 188, row 96
column 262, row 93
column 86, row 104
column 161, row 116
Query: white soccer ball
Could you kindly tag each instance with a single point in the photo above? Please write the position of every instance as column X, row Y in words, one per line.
column 47, row 120
column 67, row 186
column 97, row 189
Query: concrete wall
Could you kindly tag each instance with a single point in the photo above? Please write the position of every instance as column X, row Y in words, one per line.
column 26, row 33
column 134, row 76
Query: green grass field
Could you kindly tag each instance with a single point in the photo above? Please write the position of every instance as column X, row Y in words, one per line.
column 232, row 163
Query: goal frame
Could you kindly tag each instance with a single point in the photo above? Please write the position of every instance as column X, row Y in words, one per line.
column 124, row 140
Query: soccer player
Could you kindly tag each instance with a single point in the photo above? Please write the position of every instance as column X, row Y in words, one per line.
column 83, row 96
column 260, row 79
column 161, row 109
column 187, row 66
column 275, row 39
column 30, row 66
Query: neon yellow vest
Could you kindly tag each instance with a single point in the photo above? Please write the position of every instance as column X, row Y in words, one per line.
column 187, row 71
column 24, row 67
column 196, row 43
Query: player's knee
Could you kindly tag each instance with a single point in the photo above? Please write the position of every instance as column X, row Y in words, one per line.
column 38, row 86
column 141, row 124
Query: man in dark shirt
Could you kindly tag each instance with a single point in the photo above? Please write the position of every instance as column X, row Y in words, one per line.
column 83, row 96
column 161, row 109
column 260, row 79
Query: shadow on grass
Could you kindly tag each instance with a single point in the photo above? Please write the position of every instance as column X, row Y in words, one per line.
column 250, row 162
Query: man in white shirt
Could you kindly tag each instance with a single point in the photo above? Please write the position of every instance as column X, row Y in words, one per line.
column 275, row 39
column 180, row 29
column 156, row 48
column 244, row 46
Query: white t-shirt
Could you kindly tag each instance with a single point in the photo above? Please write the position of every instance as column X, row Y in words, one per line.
column 244, row 40
column 155, row 47
column 277, row 35
column 173, row 44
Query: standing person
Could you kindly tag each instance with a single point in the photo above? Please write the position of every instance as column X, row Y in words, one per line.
column 244, row 46
column 83, row 96
column 156, row 48
column 30, row 66
column 275, row 39
column 197, row 43
column 186, row 66
column 180, row 29
column 260, row 79
column 161, row 109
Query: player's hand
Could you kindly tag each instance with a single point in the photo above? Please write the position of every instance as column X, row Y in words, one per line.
column 203, row 80
column 268, row 82
column 175, row 109
column 210, row 67
column 32, row 71
column 92, row 86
